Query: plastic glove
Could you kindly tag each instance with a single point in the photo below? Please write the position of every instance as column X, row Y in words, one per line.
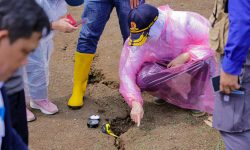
column 63, row 25
column 136, row 112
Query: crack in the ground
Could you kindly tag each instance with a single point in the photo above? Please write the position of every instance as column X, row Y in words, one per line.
column 119, row 144
column 119, row 126
column 95, row 76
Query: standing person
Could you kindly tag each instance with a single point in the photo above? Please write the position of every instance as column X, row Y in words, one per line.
column 22, row 24
column 15, row 93
column 37, row 68
column 97, row 12
column 232, row 111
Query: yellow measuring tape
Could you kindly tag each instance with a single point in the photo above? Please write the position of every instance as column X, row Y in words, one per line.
column 106, row 129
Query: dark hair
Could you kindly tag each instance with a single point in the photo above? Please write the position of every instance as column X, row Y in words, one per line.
column 23, row 17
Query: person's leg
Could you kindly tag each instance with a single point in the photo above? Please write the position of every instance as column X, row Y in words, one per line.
column 18, row 114
column 236, row 141
column 122, row 9
column 30, row 116
column 37, row 78
column 97, row 13
column 198, row 81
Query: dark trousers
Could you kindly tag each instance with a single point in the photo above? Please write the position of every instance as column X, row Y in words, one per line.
column 18, row 114
column 11, row 140
column 236, row 141
column 231, row 117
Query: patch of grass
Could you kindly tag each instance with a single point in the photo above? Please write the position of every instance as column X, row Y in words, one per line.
column 220, row 145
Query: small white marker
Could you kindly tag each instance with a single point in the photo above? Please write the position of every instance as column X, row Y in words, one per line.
column 226, row 98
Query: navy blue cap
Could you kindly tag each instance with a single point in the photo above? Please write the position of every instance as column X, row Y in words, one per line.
column 74, row 2
column 140, row 20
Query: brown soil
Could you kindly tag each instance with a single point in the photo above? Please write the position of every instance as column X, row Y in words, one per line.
column 163, row 127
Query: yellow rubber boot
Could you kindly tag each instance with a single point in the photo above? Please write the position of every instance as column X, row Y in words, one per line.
column 81, row 73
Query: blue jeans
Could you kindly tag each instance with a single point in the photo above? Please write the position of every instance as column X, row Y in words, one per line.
column 97, row 13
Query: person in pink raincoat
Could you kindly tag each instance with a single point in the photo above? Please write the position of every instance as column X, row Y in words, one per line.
column 180, row 40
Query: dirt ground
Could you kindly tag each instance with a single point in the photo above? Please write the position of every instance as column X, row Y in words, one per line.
column 162, row 128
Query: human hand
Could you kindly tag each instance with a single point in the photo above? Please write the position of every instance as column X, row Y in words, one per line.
column 134, row 3
column 228, row 82
column 136, row 112
column 179, row 60
column 63, row 25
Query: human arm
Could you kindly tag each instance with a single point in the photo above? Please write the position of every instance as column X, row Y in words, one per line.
column 130, row 63
column 237, row 46
column 195, row 35
column 137, row 112
column 135, row 3
column 179, row 60
column 56, row 13
column 63, row 25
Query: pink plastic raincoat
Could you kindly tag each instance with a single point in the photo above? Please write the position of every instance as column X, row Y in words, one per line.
column 189, row 85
